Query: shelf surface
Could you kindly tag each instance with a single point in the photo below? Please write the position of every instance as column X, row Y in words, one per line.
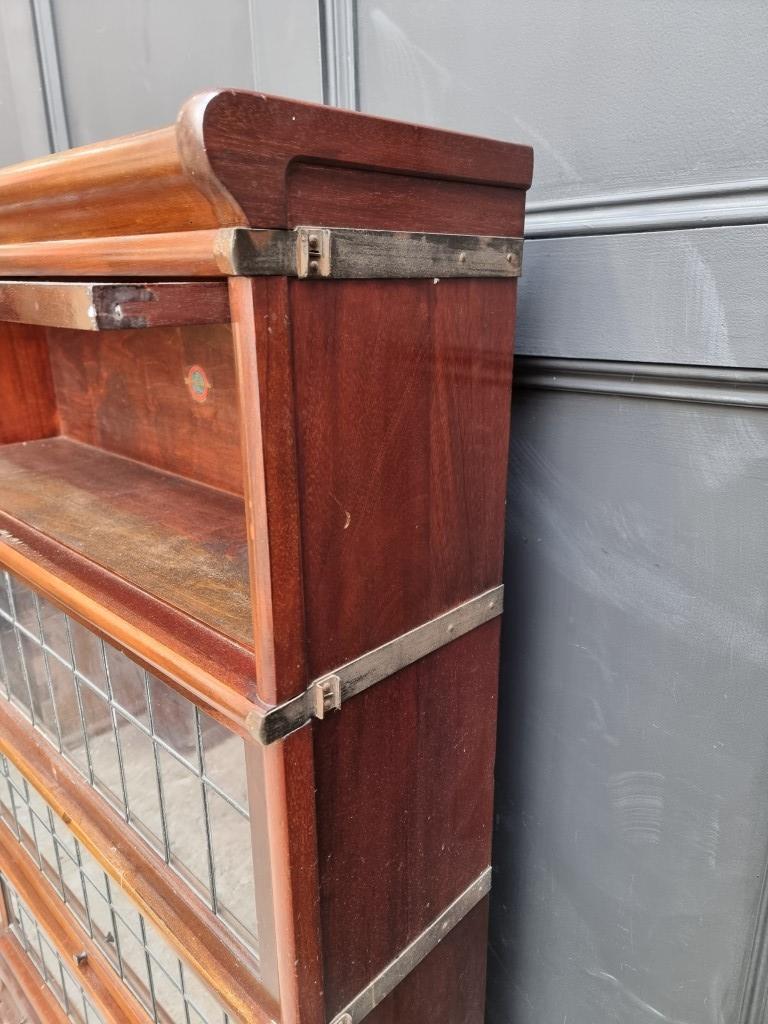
column 182, row 542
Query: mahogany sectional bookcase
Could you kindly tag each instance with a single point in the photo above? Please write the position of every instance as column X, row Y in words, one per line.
column 255, row 377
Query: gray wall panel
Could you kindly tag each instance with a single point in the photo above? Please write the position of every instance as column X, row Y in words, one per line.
column 614, row 96
column 127, row 67
column 695, row 296
column 632, row 824
column 23, row 126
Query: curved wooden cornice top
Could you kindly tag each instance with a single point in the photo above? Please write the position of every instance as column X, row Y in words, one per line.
column 226, row 162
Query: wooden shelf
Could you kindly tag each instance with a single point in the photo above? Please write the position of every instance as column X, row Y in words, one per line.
column 109, row 306
column 180, row 541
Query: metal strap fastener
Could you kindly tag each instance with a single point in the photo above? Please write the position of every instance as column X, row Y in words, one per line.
column 328, row 252
column 328, row 692
column 399, row 968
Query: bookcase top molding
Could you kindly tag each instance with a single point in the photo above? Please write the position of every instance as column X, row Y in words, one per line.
column 227, row 162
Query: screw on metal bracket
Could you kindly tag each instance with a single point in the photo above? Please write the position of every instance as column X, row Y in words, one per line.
column 327, row 694
column 81, row 958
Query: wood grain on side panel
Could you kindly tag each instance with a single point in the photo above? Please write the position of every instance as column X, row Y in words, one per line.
column 448, row 987
column 135, row 393
column 350, row 197
column 28, row 407
column 403, row 418
column 405, row 796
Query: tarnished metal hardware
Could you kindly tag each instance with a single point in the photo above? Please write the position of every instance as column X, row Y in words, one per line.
column 330, row 691
column 313, row 252
column 81, row 958
column 399, row 968
column 327, row 694
column 357, row 253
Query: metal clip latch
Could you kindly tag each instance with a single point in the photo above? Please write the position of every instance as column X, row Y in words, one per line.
column 327, row 695
column 313, row 252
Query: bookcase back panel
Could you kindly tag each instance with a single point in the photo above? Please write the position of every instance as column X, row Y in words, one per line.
column 165, row 396
column 28, row 409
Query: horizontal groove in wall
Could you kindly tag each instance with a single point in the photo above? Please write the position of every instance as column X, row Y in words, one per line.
column 668, row 382
column 721, row 205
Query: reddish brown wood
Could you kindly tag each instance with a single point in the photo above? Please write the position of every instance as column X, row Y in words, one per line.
column 206, row 667
column 28, row 406
column 184, row 254
column 265, row 370
column 448, row 987
column 97, row 978
column 349, row 197
column 22, row 990
column 226, row 163
column 403, row 418
column 130, row 393
column 190, row 928
column 132, row 185
column 248, row 137
column 374, row 421
column 180, row 541
column 405, row 797
column 104, row 306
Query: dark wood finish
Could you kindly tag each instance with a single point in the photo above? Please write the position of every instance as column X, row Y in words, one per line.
column 28, row 406
column 248, row 138
column 403, row 417
column 226, row 163
column 106, row 306
column 182, row 542
column 403, row 776
column 22, row 990
column 448, row 987
column 349, row 197
column 130, row 394
column 183, row 920
column 372, row 422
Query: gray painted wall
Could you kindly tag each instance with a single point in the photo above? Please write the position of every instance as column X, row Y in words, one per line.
column 632, row 826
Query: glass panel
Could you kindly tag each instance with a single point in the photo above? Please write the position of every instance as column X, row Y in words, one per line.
column 142, row 792
column 230, row 834
column 224, row 757
column 185, row 820
column 48, row 962
column 160, row 761
column 134, row 949
column 173, row 719
column 128, row 684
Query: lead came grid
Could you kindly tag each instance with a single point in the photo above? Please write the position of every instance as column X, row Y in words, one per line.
column 174, row 774
column 167, row 990
column 68, row 992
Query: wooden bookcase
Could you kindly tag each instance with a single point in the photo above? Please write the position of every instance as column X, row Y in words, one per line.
column 255, row 377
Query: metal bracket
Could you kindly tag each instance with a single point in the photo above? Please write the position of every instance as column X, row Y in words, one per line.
column 356, row 253
column 328, row 692
column 399, row 968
